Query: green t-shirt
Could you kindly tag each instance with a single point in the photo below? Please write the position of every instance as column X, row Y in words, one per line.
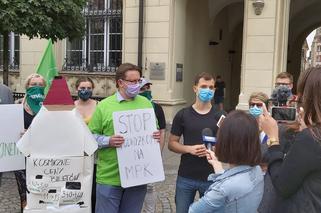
column 102, row 123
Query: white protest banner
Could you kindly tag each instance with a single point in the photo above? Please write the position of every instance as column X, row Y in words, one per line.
column 59, row 149
column 139, row 158
column 54, row 181
column 11, row 127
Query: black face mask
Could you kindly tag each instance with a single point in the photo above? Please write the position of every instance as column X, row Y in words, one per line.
column 84, row 94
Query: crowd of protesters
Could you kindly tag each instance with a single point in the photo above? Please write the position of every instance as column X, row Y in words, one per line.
column 259, row 163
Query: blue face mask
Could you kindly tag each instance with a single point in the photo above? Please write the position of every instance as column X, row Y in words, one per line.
column 85, row 94
column 205, row 95
column 256, row 111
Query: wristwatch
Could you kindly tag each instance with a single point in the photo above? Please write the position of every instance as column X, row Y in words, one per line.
column 272, row 141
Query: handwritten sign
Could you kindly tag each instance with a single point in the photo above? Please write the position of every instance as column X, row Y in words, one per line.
column 55, row 181
column 139, row 159
column 11, row 127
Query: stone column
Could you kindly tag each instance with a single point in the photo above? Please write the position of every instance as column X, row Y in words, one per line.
column 159, row 45
column 265, row 39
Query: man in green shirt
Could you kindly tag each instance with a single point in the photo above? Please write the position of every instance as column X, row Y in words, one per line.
column 110, row 196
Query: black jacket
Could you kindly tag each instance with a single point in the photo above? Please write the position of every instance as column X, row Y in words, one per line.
column 296, row 175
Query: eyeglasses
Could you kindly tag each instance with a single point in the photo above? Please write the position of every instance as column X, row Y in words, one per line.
column 133, row 81
column 282, row 84
column 256, row 104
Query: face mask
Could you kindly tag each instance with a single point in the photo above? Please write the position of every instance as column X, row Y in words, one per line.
column 35, row 96
column 132, row 90
column 147, row 94
column 205, row 95
column 256, row 111
column 85, row 94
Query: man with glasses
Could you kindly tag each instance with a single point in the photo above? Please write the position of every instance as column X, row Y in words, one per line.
column 285, row 79
column 110, row 196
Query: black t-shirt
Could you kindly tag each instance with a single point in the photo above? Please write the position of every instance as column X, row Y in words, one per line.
column 159, row 112
column 219, row 89
column 189, row 123
column 27, row 119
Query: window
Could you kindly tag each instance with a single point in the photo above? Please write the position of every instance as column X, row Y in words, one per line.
column 319, row 48
column 14, row 48
column 101, row 48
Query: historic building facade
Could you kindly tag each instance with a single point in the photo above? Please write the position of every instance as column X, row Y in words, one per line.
column 316, row 49
column 247, row 42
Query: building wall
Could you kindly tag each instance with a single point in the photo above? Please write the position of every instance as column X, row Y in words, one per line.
column 316, row 49
column 264, row 47
column 179, row 32
column 200, row 56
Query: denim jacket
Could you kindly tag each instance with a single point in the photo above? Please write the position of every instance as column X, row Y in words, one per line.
column 238, row 189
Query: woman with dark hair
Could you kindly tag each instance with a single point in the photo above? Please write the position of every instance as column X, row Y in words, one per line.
column 85, row 104
column 86, row 107
column 296, row 175
column 239, row 188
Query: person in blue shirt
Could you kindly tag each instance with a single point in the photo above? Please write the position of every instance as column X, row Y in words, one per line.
column 240, row 187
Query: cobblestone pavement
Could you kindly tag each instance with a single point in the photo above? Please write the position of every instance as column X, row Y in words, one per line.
column 166, row 189
column 9, row 198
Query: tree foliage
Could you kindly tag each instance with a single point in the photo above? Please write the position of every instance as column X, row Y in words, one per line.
column 55, row 19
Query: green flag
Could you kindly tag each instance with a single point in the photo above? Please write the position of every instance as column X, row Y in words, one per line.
column 47, row 66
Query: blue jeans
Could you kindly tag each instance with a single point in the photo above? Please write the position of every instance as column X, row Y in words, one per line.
column 115, row 199
column 186, row 190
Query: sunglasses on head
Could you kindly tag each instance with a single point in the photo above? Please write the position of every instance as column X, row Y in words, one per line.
column 256, row 104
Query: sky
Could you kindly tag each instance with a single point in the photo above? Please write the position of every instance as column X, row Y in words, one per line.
column 309, row 40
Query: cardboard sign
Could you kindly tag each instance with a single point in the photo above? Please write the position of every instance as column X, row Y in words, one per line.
column 11, row 127
column 55, row 181
column 60, row 156
column 139, row 158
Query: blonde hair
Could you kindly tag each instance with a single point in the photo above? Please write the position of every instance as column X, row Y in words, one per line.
column 260, row 96
column 34, row 75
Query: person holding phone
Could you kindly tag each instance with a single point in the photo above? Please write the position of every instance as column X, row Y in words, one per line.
column 296, row 175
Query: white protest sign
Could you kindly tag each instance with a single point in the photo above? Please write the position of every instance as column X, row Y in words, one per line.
column 11, row 127
column 47, row 177
column 139, row 158
column 59, row 149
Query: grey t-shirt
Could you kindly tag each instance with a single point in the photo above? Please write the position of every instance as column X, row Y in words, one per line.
column 5, row 95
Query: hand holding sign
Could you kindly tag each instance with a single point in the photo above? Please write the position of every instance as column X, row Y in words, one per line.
column 139, row 157
column 116, row 141
column 157, row 135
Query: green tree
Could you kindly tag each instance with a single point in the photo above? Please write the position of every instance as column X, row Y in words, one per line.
column 40, row 18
